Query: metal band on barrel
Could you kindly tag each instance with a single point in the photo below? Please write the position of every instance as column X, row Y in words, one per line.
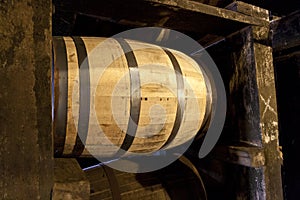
column 207, row 116
column 184, row 160
column 60, row 114
column 135, row 94
column 84, row 96
column 180, row 97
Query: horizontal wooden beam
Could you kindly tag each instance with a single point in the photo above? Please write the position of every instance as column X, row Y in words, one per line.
column 181, row 15
column 286, row 32
column 246, row 156
column 212, row 11
column 250, row 10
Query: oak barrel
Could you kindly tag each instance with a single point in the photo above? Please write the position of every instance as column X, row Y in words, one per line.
column 176, row 181
column 112, row 94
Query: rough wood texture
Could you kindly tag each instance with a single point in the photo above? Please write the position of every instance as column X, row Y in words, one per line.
column 26, row 169
column 249, row 9
column 217, row 3
column 245, row 62
column 210, row 10
column 268, row 118
column 246, row 156
column 111, row 106
column 286, row 32
column 243, row 99
column 242, row 126
column 174, row 182
column 259, row 106
column 70, row 182
column 182, row 15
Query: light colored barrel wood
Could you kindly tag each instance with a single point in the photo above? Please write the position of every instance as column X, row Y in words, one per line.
column 73, row 71
column 117, row 91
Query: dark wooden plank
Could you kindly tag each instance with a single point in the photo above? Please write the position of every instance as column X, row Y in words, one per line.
column 217, row 3
column 243, row 98
column 241, row 155
column 249, row 9
column 183, row 15
column 265, row 78
column 286, row 32
column 246, row 65
column 210, row 10
column 25, row 98
column 179, row 180
column 253, row 106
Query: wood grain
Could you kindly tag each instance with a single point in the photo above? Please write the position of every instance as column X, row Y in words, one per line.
column 110, row 97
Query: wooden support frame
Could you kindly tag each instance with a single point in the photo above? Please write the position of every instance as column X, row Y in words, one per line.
column 250, row 137
column 247, row 9
column 26, row 154
column 249, row 143
column 182, row 15
column 250, row 79
column 268, row 112
column 246, row 156
column 264, row 82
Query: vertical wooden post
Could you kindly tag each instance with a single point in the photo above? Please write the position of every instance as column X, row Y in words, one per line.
column 26, row 169
column 256, row 114
column 263, row 100
column 244, row 109
column 252, row 122
column 265, row 78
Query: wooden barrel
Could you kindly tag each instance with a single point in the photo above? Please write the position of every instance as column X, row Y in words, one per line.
column 112, row 94
column 176, row 182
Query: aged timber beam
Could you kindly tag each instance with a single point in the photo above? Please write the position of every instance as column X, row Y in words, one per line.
column 255, row 112
column 246, row 156
column 286, row 32
column 186, row 16
column 26, row 170
column 261, row 58
column 249, row 9
column 248, row 74
column 70, row 181
column 265, row 78
column 212, row 11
